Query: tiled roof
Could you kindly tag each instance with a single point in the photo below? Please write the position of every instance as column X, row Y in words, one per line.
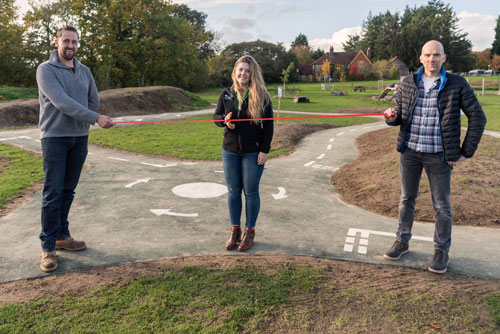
column 306, row 69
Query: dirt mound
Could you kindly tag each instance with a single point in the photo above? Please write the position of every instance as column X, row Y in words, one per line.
column 114, row 102
column 373, row 182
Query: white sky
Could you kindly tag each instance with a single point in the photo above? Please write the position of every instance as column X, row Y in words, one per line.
column 324, row 22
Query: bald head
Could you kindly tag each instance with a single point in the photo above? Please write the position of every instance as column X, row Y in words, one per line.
column 434, row 45
column 432, row 58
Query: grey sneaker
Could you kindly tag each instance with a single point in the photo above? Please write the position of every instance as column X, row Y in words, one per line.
column 397, row 249
column 439, row 262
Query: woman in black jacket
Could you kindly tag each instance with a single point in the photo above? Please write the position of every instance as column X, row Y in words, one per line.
column 245, row 146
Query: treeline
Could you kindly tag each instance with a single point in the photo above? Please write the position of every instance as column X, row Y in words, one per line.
column 403, row 35
column 156, row 42
column 124, row 42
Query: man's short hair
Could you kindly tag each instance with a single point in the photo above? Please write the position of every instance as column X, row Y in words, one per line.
column 67, row 28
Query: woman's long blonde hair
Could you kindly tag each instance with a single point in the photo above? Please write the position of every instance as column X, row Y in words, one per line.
column 258, row 96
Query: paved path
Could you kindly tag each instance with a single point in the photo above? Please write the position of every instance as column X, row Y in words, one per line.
column 131, row 208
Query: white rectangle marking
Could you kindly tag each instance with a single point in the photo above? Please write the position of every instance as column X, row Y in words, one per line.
column 329, row 147
column 310, row 163
column 321, row 156
column 119, row 159
column 340, row 134
column 348, row 248
column 363, row 242
column 349, row 240
column 362, row 250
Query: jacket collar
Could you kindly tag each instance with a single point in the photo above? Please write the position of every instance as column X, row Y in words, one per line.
column 54, row 60
column 442, row 76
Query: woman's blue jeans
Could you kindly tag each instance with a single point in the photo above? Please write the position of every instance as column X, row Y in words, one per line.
column 63, row 159
column 439, row 176
column 242, row 174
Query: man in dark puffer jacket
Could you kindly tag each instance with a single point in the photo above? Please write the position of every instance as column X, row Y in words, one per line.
column 428, row 106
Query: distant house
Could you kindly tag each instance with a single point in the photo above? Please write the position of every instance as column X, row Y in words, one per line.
column 353, row 60
column 306, row 73
column 403, row 69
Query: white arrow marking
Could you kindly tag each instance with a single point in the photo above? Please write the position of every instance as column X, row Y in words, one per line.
column 160, row 212
column 309, row 163
column 281, row 194
column 340, row 134
column 130, row 185
column 119, row 159
column 160, row 166
column 321, row 156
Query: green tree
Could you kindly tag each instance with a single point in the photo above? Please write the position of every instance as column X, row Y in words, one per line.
column 495, row 47
column 13, row 64
column 300, row 40
column 353, row 43
column 272, row 58
column 404, row 35
column 380, row 69
column 286, row 76
column 150, row 42
column 318, row 54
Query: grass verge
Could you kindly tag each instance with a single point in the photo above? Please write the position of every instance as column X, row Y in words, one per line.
column 8, row 93
column 190, row 300
column 19, row 169
column 274, row 298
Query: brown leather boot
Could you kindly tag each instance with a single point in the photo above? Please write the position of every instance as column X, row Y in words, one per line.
column 247, row 241
column 70, row 244
column 234, row 238
column 48, row 262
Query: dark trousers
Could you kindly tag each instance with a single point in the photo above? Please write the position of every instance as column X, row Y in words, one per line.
column 439, row 176
column 63, row 159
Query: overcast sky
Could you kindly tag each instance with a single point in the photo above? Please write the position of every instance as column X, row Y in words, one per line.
column 324, row 22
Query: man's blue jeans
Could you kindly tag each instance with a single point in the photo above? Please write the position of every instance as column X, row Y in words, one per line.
column 439, row 175
column 63, row 159
column 242, row 173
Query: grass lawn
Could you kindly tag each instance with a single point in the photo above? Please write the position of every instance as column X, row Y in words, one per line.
column 282, row 299
column 491, row 107
column 197, row 141
column 321, row 100
column 18, row 170
column 8, row 93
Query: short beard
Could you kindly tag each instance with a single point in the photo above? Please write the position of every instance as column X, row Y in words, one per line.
column 66, row 56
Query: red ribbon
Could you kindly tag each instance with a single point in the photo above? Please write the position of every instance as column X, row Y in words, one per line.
column 252, row 119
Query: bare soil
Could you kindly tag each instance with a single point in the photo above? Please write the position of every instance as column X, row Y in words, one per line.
column 373, row 182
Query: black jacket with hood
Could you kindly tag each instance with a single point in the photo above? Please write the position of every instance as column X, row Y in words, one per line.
column 247, row 137
column 454, row 95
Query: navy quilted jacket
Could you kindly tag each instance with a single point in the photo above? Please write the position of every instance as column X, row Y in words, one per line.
column 454, row 95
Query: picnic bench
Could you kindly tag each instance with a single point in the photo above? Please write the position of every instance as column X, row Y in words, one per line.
column 358, row 88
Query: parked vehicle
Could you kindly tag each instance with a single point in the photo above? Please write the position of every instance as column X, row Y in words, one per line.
column 489, row 72
column 476, row 72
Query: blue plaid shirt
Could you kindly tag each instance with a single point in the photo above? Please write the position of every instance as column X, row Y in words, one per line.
column 424, row 134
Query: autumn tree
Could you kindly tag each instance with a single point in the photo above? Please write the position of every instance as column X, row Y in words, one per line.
column 303, row 53
column 495, row 63
column 325, row 69
column 482, row 59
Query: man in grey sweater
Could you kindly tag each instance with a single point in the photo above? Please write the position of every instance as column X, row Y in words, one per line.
column 68, row 103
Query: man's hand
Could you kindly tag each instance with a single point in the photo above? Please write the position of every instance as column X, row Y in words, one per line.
column 105, row 121
column 390, row 115
column 261, row 158
column 454, row 163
